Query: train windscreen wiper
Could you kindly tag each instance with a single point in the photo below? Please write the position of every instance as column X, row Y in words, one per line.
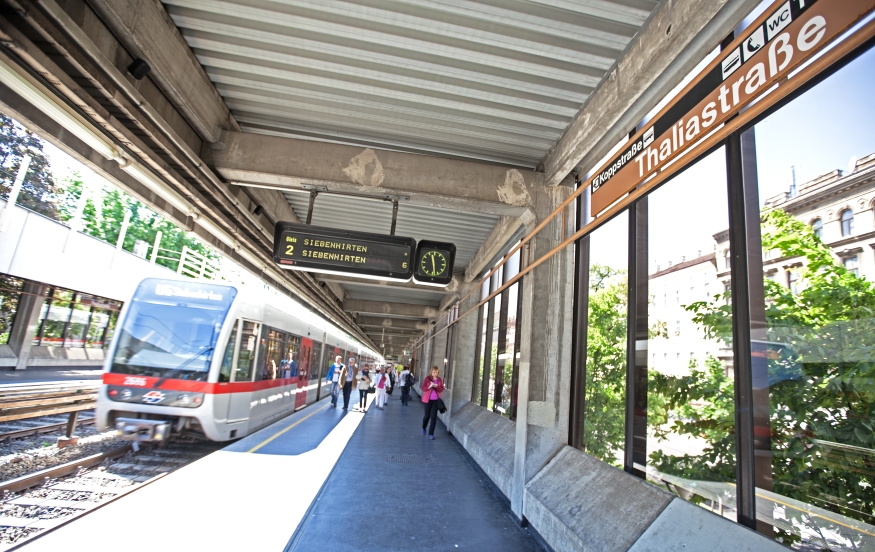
column 181, row 368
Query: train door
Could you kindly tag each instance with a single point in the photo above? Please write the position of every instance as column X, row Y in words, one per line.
column 242, row 371
column 303, row 372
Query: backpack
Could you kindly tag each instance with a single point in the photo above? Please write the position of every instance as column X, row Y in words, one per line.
column 408, row 379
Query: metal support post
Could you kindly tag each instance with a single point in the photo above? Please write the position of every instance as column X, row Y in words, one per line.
column 155, row 246
column 394, row 216
column 313, row 194
column 13, row 193
column 749, row 343
column 71, row 423
column 121, row 236
column 635, row 461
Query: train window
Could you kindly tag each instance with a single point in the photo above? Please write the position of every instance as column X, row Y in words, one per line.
column 273, row 354
column 247, row 351
column 291, row 363
column 316, row 353
column 228, row 358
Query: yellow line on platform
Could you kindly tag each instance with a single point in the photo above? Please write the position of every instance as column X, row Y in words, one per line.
column 280, row 432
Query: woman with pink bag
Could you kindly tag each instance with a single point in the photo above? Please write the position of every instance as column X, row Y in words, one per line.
column 432, row 387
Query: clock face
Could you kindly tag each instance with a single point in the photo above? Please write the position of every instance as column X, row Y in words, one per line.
column 433, row 263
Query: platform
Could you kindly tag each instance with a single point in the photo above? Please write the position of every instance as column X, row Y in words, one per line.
column 319, row 479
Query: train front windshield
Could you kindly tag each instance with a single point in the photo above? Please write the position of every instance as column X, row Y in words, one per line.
column 172, row 329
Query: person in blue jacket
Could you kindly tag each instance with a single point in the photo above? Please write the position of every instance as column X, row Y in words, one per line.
column 333, row 376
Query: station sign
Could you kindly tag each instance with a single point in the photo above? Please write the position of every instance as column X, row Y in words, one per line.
column 789, row 33
column 335, row 251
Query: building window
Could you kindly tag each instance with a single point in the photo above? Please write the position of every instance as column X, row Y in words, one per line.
column 727, row 257
column 677, row 328
column 852, row 266
column 817, row 227
column 793, row 281
column 847, row 222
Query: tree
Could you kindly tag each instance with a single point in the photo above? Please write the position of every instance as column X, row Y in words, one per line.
column 103, row 219
column 605, row 396
column 38, row 191
column 821, row 386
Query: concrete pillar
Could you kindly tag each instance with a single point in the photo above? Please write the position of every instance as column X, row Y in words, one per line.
column 439, row 345
column 545, row 348
column 26, row 322
column 467, row 336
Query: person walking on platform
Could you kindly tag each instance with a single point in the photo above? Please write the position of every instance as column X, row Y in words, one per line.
column 347, row 376
column 432, row 387
column 364, row 383
column 333, row 376
column 405, row 379
column 381, row 383
column 390, row 371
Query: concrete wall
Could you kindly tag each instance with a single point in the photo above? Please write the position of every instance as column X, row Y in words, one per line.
column 33, row 248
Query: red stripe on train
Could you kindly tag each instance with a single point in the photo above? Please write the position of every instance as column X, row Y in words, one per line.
column 196, row 386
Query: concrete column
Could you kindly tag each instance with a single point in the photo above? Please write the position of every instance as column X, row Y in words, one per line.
column 461, row 372
column 26, row 322
column 439, row 345
column 545, row 348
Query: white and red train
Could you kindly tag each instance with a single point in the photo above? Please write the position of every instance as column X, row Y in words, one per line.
column 215, row 361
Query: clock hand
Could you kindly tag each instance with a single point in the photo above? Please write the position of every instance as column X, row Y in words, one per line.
column 433, row 268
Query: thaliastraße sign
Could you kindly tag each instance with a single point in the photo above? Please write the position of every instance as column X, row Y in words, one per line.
column 789, row 33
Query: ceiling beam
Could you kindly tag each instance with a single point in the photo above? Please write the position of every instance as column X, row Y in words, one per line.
column 454, row 285
column 146, row 30
column 394, row 323
column 678, row 36
column 288, row 163
column 397, row 310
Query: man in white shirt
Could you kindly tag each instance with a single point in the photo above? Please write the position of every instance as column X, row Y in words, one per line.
column 334, row 377
column 405, row 387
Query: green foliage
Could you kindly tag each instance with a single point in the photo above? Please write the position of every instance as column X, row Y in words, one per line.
column 604, row 419
column 820, row 355
column 103, row 220
column 38, row 191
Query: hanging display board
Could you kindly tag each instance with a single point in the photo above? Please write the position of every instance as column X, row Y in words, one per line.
column 335, row 251
column 788, row 34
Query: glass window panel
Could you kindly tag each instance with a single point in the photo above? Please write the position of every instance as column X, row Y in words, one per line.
column 690, row 395
column 247, row 351
column 315, row 355
column 10, row 294
column 482, row 319
column 493, row 338
column 291, row 363
column 53, row 318
column 818, row 339
column 228, row 357
column 80, row 319
column 605, row 397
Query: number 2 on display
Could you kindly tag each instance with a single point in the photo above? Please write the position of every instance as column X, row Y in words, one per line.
column 290, row 250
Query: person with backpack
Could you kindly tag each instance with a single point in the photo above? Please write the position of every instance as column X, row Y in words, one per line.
column 406, row 379
column 389, row 371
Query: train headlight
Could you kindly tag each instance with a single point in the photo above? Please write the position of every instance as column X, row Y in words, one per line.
column 184, row 399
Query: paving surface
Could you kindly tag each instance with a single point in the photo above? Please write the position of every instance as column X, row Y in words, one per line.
column 394, row 489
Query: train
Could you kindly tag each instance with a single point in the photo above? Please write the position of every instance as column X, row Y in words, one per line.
column 214, row 361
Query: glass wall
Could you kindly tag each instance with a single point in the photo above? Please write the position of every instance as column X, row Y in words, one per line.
column 756, row 293
column 72, row 319
column 10, row 293
column 690, row 408
column 604, row 418
column 819, row 370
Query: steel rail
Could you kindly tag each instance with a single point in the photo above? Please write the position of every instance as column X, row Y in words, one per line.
column 34, row 479
column 48, row 428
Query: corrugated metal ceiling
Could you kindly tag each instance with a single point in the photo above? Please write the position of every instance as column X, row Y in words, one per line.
column 465, row 229
column 495, row 80
column 395, row 295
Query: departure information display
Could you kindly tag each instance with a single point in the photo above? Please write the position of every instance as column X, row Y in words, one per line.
column 320, row 249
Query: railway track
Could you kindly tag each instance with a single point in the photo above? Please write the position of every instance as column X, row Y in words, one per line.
column 38, row 503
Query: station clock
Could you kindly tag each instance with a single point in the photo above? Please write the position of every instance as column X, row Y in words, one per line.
column 434, row 263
